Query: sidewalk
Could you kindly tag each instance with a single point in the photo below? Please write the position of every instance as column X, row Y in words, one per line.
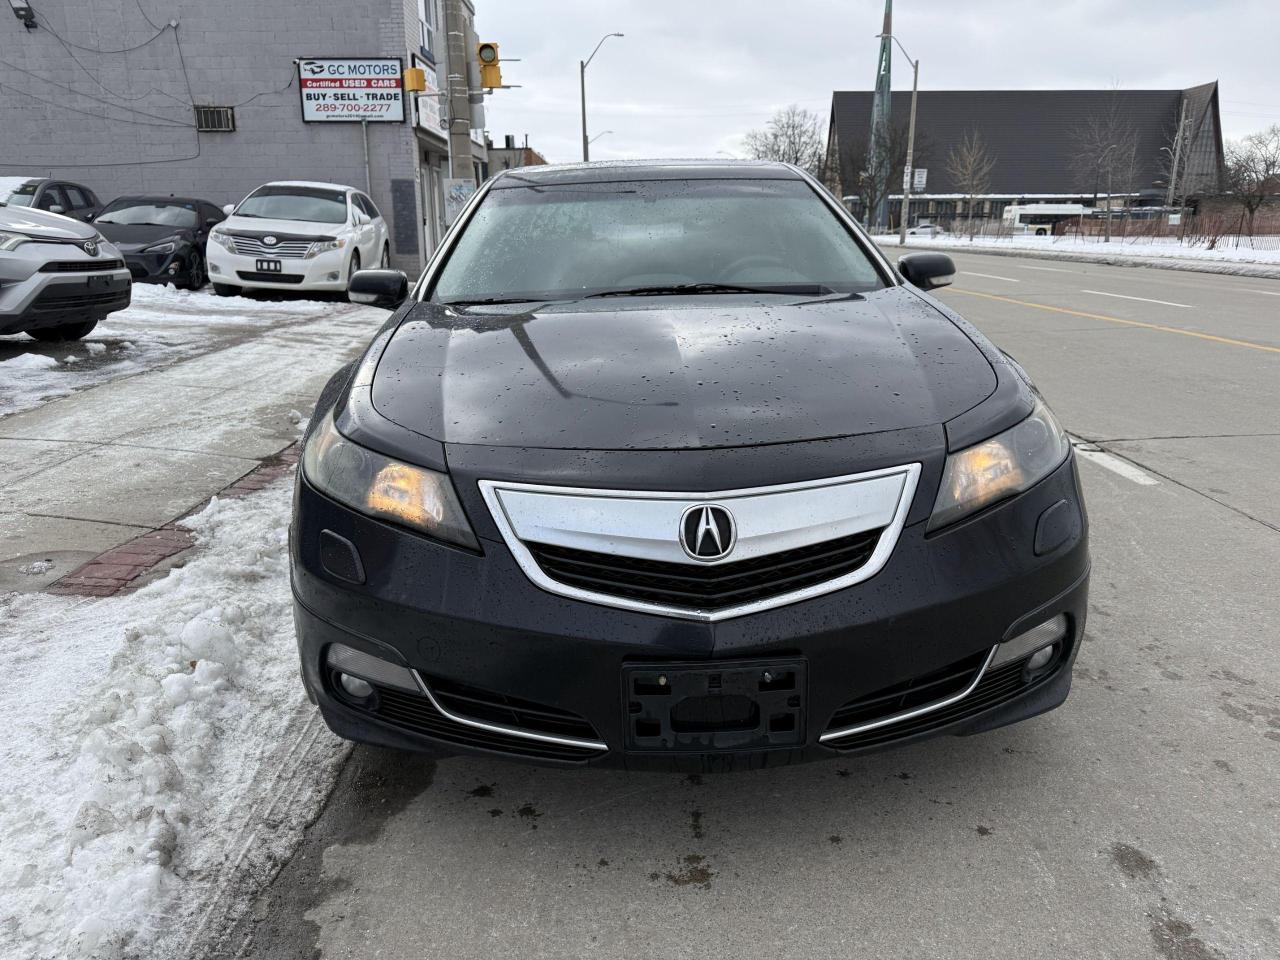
column 115, row 462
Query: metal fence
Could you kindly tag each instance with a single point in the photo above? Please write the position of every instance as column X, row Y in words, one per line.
column 1208, row 231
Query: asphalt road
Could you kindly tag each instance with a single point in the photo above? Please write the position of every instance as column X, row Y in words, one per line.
column 1139, row 820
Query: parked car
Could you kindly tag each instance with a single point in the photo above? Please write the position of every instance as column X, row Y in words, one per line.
column 56, row 196
column 664, row 464
column 58, row 276
column 297, row 235
column 162, row 238
column 926, row 230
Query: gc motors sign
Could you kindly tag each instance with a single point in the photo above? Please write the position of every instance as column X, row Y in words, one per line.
column 336, row 90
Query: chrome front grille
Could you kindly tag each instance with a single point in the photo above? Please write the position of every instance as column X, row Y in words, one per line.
column 630, row 549
column 283, row 250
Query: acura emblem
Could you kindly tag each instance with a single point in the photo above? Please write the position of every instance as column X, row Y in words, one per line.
column 91, row 247
column 269, row 241
column 707, row 532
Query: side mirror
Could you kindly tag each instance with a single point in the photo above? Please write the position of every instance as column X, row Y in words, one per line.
column 211, row 222
column 378, row 288
column 228, row 208
column 928, row 271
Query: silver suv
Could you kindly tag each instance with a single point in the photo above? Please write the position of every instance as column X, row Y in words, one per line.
column 58, row 276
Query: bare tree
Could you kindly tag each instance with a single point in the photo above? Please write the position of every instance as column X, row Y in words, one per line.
column 1253, row 171
column 793, row 136
column 874, row 179
column 969, row 164
column 1106, row 151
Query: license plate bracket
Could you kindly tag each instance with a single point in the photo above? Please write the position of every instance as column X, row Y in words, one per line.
column 734, row 705
column 270, row 266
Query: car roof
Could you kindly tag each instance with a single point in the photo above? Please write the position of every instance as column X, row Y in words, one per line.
column 611, row 171
column 316, row 184
column 156, row 198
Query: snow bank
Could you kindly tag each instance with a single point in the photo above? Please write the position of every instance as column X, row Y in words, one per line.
column 148, row 738
column 1148, row 249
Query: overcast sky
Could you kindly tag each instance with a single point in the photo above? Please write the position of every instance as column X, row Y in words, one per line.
column 691, row 76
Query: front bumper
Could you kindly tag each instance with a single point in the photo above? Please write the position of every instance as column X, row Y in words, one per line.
column 499, row 654
column 157, row 267
column 326, row 271
column 35, row 295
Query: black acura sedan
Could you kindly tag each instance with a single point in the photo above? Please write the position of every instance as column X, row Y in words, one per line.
column 664, row 465
column 162, row 238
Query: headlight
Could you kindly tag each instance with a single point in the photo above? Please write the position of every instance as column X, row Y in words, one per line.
column 1008, row 463
column 223, row 240
column 10, row 241
column 167, row 247
column 323, row 246
column 384, row 488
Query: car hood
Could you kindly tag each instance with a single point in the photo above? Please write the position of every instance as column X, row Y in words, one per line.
column 45, row 225
column 128, row 236
column 258, row 225
column 670, row 373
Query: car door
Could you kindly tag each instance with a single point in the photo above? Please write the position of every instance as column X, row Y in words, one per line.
column 366, row 233
column 379, row 229
column 52, row 198
column 79, row 203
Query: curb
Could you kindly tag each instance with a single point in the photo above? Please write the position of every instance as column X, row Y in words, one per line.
column 119, row 568
column 1220, row 267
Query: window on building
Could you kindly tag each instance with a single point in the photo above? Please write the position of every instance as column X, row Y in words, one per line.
column 427, row 18
column 216, row 119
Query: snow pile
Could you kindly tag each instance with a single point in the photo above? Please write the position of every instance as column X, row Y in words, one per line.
column 1166, row 248
column 26, row 361
column 147, row 741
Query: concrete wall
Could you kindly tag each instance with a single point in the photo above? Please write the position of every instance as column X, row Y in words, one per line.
column 121, row 120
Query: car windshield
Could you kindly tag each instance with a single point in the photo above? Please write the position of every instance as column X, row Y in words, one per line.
column 151, row 212
column 20, row 194
column 563, row 241
column 312, row 204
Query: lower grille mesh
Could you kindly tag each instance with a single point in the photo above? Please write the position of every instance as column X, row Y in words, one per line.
column 415, row 713
column 997, row 686
column 706, row 587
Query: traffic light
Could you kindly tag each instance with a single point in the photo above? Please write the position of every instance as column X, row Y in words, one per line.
column 490, row 69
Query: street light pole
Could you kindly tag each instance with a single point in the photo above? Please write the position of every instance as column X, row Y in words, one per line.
column 908, row 171
column 1107, row 238
column 582, row 85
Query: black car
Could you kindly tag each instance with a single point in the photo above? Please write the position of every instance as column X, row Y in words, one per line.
column 55, row 196
column 663, row 464
column 162, row 238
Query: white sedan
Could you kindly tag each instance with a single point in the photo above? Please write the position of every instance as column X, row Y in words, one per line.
column 297, row 235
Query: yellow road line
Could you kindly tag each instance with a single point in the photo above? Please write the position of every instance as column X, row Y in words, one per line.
column 1131, row 323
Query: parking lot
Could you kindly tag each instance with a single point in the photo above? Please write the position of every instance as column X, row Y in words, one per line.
column 1139, row 820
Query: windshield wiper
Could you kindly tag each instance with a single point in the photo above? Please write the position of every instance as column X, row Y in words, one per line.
column 802, row 289
column 487, row 301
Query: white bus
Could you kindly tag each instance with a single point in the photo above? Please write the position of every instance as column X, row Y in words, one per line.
column 1039, row 218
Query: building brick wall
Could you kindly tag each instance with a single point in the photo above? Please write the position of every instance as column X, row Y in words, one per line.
column 106, row 118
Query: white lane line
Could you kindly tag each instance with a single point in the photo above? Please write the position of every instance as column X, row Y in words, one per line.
column 1024, row 266
column 989, row 276
column 1121, row 296
column 1117, row 466
column 1265, row 293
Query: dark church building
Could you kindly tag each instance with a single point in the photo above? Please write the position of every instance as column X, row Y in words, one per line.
column 1039, row 142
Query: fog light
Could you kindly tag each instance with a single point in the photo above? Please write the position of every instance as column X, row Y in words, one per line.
column 1042, row 658
column 332, row 276
column 1046, row 634
column 354, row 686
column 214, row 268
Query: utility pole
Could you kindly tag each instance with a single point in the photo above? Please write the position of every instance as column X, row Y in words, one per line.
column 582, row 84
column 908, row 171
column 458, row 102
column 881, row 110
column 1177, row 155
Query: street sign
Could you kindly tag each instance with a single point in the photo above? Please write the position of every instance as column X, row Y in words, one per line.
column 341, row 90
column 430, row 112
column 906, row 178
column 921, row 177
column 1175, row 219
